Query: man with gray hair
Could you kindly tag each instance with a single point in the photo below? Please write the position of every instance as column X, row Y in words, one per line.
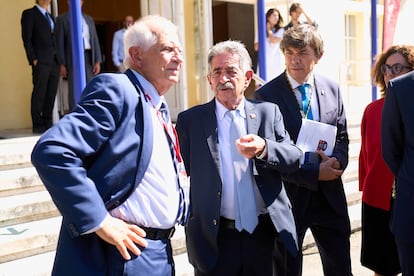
column 113, row 166
column 234, row 150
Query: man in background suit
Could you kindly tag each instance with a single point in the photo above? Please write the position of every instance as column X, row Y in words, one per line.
column 216, row 243
column 397, row 133
column 92, row 50
column 39, row 43
column 118, row 44
column 316, row 190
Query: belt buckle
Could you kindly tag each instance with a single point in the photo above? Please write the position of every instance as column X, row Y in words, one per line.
column 172, row 231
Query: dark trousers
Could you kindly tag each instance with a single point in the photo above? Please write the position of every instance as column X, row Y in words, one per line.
column 45, row 82
column 244, row 254
column 331, row 233
column 406, row 255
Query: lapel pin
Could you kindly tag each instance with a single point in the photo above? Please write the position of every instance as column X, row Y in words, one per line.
column 252, row 116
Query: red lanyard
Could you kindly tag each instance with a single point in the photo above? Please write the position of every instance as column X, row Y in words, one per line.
column 174, row 140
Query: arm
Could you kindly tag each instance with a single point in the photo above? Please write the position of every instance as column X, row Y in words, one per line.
column 115, row 49
column 27, row 33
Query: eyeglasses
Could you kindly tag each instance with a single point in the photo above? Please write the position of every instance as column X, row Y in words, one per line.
column 395, row 68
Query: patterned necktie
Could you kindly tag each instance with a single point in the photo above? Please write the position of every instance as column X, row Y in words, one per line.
column 184, row 197
column 305, row 91
column 245, row 205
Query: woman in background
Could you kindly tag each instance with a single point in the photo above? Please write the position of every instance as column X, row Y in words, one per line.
column 275, row 61
column 378, row 249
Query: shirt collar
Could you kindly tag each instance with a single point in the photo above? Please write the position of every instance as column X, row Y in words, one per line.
column 221, row 109
column 149, row 89
column 42, row 10
column 295, row 84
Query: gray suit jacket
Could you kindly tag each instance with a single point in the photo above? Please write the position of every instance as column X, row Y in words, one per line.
column 198, row 135
column 64, row 40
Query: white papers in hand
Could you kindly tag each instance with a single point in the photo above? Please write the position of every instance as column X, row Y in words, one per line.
column 314, row 135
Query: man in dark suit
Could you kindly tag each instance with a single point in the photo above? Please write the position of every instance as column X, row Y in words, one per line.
column 39, row 44
column 218, row 241
column 316, row 190
column 108, row 166
column 92, row 50
column 397, row 132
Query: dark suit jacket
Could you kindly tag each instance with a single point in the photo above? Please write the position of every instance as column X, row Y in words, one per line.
column 37, row 36
column 198, row 135
column 331, row 111
column 398, row 151
column 64, row 40
column 90, row 162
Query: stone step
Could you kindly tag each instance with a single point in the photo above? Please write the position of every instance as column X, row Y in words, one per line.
column 15, row 152
column 23, row 208
column 18, row 181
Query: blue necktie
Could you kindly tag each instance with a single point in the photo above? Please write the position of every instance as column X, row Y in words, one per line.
column 50, row 20
column 245, row 205
column 305, row 91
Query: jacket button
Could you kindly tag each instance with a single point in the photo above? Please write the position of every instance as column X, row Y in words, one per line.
column 215, row 222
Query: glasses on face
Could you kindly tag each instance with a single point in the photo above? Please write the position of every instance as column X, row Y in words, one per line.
column 395, row 68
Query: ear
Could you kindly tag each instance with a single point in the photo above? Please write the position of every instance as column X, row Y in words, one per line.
column 249, row 76
column 135, row 55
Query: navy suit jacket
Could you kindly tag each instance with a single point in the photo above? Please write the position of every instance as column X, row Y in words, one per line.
column 198, row 136
column 64, row 40
column 302, row 183
column 90, row 162
column 37, row 36
column 398, row 151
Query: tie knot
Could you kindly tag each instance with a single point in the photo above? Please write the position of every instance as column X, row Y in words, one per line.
column 303, row 88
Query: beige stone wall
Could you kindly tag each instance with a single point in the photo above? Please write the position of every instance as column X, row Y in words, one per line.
column 15, row 72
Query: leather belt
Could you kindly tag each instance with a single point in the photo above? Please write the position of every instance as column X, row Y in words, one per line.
column 158, row 234
column 231, row 224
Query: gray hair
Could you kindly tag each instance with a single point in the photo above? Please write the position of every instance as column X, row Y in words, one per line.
column 234, row 47
column 146, row 32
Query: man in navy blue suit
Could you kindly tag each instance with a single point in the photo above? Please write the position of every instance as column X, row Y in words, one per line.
column 316, row 189
column 112, row 166
column 39, row 43
column 217, row 241
column 397, row 149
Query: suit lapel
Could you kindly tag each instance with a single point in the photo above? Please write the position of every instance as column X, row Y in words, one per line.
column 320, row 97
column 209, row 121
column 251, row 117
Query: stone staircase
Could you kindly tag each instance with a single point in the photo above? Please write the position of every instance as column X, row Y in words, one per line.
column 29, row 221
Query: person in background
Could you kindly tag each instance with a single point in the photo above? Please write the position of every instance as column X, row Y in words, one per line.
column 37, row 34
column 397, row 140
column 92, row 50
column 275, row 61
column 316, row 189
column 218, row 240
column 295, row 11
column 378, row 249
column 109, row 168
column 118, row 44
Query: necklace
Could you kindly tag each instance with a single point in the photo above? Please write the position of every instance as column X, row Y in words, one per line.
column 304, row 114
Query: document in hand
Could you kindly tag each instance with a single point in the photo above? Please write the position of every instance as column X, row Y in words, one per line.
column 314, row 135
